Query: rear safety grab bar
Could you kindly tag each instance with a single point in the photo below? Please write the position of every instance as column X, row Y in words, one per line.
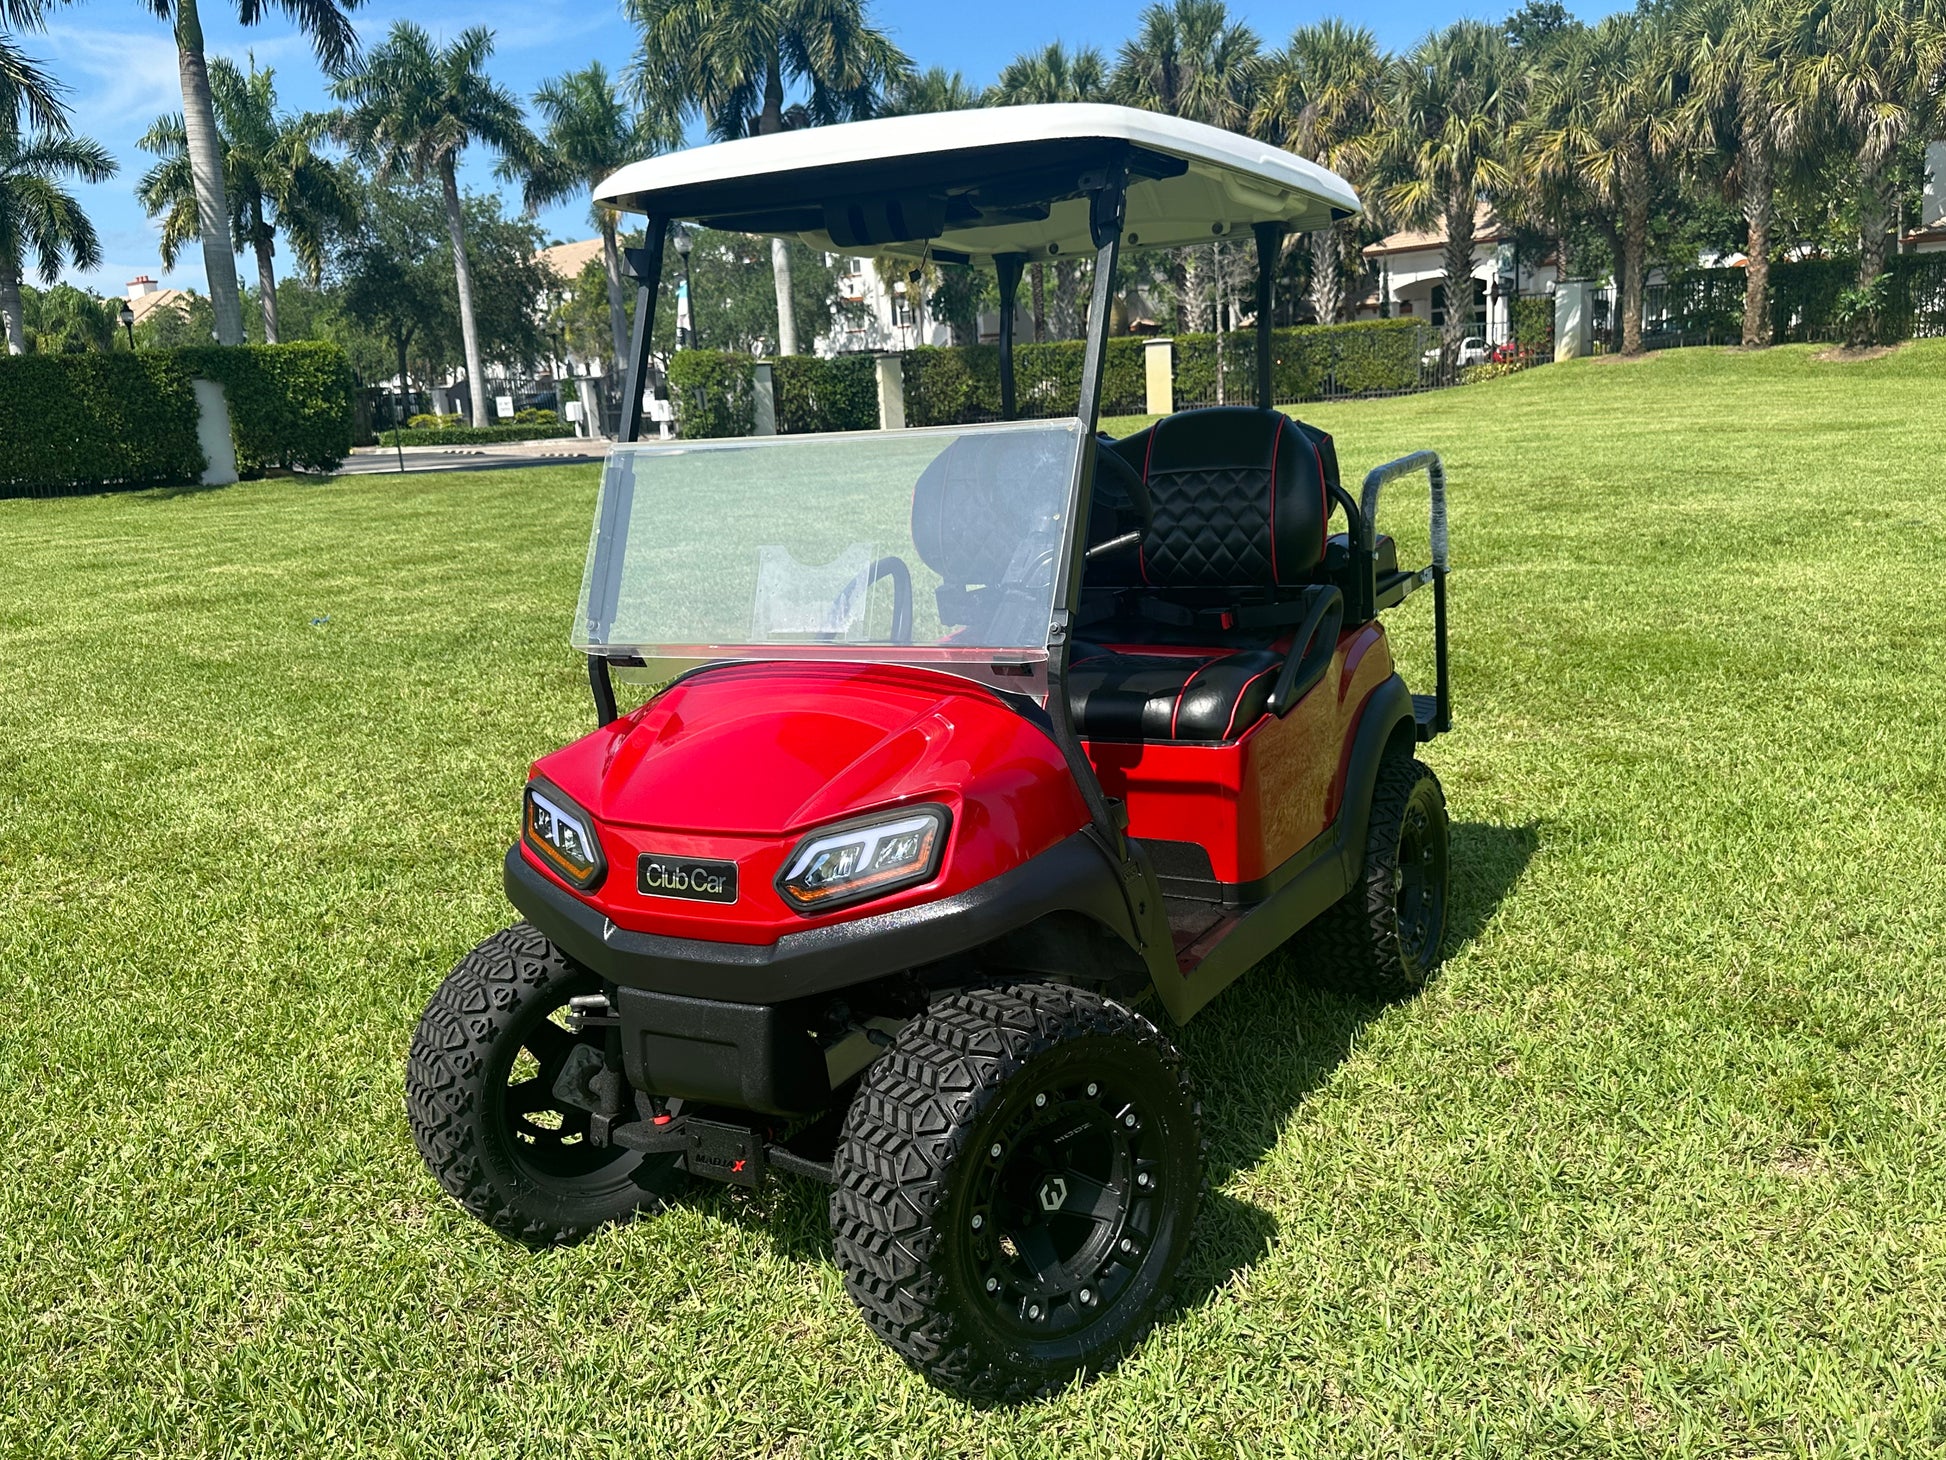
column 1311, row 653
column 1375, row 481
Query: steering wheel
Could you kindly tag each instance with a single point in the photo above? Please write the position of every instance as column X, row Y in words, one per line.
column 1126, row 477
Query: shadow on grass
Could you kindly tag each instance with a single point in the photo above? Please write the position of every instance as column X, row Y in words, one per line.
column 1254, row 1055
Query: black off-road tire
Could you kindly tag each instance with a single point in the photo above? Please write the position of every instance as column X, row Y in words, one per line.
column 1384, row 939
column 529, row 1173
column 942, row 1243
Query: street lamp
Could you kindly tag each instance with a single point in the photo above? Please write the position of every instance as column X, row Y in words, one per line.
column 686, row 314
column 128, row 323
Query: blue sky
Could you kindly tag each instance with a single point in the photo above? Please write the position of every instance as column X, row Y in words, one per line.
column 120, row 68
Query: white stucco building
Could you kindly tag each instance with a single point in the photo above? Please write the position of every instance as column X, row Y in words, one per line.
column 1411, row 267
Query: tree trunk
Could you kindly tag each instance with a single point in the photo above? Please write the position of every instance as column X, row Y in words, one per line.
column 405, row 385
column 1327, row 282
column 611, row 258
column 1875, row 208
column 206, row 167
column 1758, row 203
column 1067, row 310
column 1457, row 261
column 469, row 332
column 1635, row 248
column 12, row 316
column 1039, row 291
column 769, row 122
column 267, row 283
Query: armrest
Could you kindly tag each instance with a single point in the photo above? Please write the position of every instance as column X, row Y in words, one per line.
column 1311, row 650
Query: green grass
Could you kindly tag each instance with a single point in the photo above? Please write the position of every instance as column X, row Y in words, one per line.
column 1655, row 1167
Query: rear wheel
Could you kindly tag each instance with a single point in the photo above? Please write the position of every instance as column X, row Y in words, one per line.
column 495, row 1086
column 1016, row 1185
column 1383, row 939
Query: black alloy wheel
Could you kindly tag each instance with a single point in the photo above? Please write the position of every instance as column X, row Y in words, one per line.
column 501, row 1093
column 1384, row 939
column 1017, row 1182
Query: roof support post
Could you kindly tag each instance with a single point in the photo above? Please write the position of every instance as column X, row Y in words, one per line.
column 1008, row 266
column 1269, row 237
column 646, row 264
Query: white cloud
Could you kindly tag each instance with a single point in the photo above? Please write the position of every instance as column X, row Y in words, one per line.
column 120, row 79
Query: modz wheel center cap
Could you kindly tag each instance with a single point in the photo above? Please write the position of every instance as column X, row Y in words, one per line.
column 1054, row 1194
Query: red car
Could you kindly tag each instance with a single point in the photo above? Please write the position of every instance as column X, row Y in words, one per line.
column 971, row 752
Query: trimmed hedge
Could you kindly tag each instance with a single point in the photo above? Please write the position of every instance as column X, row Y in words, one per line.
column 711, row 392
column 1370, row 357
column 74, row 422
column 949, row 385
column 471, row 435
column 816, row 394
column 69, row 421
column 290, row 405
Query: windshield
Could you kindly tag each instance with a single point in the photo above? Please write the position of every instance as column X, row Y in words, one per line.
column 934, row 547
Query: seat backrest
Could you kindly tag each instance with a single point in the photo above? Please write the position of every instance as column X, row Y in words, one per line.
column 1240, row 498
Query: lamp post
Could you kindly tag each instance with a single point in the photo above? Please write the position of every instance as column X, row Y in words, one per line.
column 127, row 318
column 686, row 313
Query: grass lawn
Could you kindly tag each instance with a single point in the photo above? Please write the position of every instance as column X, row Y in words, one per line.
column 1654, row 1168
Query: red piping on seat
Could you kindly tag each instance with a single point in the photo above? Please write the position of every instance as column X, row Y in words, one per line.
column 1177, row 711
column 1239, row 703
column 1324, row 492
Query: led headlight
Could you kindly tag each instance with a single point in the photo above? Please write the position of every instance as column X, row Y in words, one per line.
column 865, row 858
column 562, row 835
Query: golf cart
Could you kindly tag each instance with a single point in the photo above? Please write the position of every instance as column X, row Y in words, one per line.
column 967, row 743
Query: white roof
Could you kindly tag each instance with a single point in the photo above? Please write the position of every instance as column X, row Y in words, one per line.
column 993, row 180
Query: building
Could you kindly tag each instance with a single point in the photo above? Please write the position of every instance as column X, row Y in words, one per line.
column 145, row 297
column 1930, row 234
column 1411, row 267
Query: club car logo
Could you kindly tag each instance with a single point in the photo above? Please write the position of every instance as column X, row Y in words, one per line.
column 686, row 877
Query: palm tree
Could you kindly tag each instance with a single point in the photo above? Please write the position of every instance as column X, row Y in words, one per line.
column 1038, row 78
column 731, row 62
column 41, row 222
column 1602, row 118
column 275, row 180
column 589, row 132
column 1319, row 98
column 412, row 108
column 1188, row 58
column 1877, row 66
column 933, row 90
column 1744, row 57
column 24, row 87
column 335, row 45
column 1442, row 143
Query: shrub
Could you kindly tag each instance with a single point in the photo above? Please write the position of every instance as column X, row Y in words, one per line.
column 947, row 385
column 711, row 392
column 472, row 435
column 1492, row 370
column 536, row 416
column 423, row 422
column 290, row 405
column 815, row 394
column 96, row 420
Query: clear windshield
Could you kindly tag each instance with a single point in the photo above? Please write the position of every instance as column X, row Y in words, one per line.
column 933, row 547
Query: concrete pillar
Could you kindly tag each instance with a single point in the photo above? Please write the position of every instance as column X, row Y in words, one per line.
column 213, row 433
column 1574, row 303
column 590, row 407
column 763, row 398
column 1159, row 375
column 891, row 392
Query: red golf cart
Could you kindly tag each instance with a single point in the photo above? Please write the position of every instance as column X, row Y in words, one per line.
column 967, row 745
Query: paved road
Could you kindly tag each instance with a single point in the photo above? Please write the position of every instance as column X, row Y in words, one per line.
column 497, row 456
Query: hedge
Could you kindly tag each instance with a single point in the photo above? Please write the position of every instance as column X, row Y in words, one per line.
column 69, row 421
column 74, row 422
column 290, row 405
column 711, row 392
column 1369, row 357
column 949, row 385
column 816, row 394
column 470, row 435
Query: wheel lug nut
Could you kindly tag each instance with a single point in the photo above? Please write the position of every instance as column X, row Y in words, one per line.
column 1088, row 1296
column 1039, row 1101
column 1145, row 1180
column 1093, row 1090
column 1034, row 1311
column 994, row 1151
column 993, row 1285
column 1129, row 1120
column 1127, row 1246
column 978, row 1221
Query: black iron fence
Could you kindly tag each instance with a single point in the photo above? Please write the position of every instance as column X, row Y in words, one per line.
column 1810, row 300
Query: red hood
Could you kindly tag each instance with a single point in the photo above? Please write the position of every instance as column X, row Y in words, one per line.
column 766, row 749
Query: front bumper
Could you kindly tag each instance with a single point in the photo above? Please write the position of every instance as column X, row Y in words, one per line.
column 1072, row 875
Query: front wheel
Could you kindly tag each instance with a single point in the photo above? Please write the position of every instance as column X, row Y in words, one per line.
column 498, row 1093
column 1016, row 1184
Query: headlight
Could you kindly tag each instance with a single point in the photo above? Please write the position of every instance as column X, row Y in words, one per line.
column 865, row 858
column 562, row 835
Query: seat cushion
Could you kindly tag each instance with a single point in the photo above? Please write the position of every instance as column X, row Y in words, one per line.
column 1202, row 695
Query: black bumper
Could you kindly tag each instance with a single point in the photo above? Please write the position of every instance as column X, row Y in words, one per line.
column 1072, row 875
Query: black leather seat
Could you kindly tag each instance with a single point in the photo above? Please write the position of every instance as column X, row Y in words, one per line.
column 1237, row 507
